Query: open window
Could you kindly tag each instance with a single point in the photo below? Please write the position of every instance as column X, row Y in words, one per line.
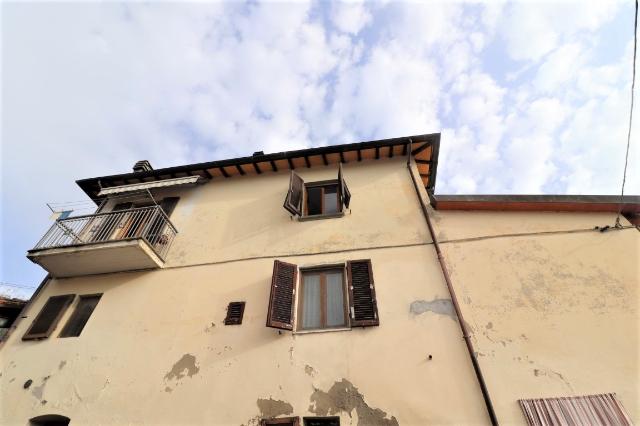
column 317, row 199
column 329, row 297
column 282, row 421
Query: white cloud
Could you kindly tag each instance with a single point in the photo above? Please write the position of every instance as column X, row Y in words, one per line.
column 351, row 16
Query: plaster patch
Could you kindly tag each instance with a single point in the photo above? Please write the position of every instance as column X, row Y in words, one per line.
column 186, row 363
column 344, row 396
column 270, row 408
column 437, row 306
column 37, row 391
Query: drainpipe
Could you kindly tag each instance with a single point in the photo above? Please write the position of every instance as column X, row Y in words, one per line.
column 454, row 299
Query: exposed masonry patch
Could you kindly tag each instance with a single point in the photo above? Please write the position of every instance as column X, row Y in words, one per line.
column 185, row 364
column 437, row 306
column 345, row 397
column 270, row 408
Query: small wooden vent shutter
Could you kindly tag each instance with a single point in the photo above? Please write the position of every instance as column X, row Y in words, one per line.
column 235, row 311
column 48, row 318
column 168, row 204
column 362, row 294
column 283, row 287
column 345, row 195
column 293, row 201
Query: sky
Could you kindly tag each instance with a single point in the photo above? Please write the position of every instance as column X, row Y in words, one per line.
column 530, row 97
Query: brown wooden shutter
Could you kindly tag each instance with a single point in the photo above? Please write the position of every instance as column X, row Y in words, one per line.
column 293, row 201
column 169, row 204
column 235, row 312
column 283, row 287
column 80, row 315
column 48, row 318
column 345, row 194
column 362, row 294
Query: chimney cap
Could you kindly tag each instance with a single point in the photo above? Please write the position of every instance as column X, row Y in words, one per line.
column 255, row 154
column 142, row 166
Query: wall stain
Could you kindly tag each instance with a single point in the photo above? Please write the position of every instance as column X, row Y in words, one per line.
column 270, row 408
column 553, row 374
column 309, row 370
column 186, row 363
column 344, row 396
column 62, row 364
column 37, row 391
column 437, row 306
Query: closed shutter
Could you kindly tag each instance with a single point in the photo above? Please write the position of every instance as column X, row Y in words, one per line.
column 235, row 311
column 80, row 315
column 169, row 204
column 283, row 287
column 362, row 294
column 48, row 318
column 345, row 194
column 293, row 201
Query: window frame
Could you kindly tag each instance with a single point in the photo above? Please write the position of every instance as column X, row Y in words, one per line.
column 321, row 418
column 75, row 311
column 280, row 420
column 67, row 301
column 299, row 308
column 322, row 184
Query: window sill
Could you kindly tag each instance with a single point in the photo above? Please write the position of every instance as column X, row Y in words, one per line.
column 322, row 330
column 320, row 216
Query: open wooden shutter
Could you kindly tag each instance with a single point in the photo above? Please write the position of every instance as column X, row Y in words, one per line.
column 293, row 201
column 48, row 318
column 362, row 294
column 168, row 204
column 283, row 287
column 345, row 195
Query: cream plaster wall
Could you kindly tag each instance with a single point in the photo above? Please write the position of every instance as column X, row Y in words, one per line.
column 551, row 314
column 155, row 350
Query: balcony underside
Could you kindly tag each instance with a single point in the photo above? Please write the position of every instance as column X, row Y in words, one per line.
column 97, row 258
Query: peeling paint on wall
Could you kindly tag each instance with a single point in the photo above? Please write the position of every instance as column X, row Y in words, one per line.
column 437, row 306
column 345, row 397
column 186, row 363
column 270, row 408
column 309, row 370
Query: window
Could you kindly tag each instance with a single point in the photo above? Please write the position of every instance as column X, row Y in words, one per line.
column 235, row 311
column 317, row 199
column 80, row 315
column 578, row 410
column 321, row 421
column 323, row 302
column 284, row 421
column 48, row 318
column 49, row 420
column 322, row 299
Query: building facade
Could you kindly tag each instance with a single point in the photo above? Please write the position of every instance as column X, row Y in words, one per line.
column 193, row 297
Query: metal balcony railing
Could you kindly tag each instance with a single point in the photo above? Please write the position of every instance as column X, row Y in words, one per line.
column 148, row 223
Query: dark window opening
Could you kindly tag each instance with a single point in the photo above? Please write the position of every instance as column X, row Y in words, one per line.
column 235, row 312
column 80, row 315
column 321, row 421
column 49, row 420
column 323, row 199
column 322, row 300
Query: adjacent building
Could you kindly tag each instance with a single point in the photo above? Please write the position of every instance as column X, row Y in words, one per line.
column 327, row 286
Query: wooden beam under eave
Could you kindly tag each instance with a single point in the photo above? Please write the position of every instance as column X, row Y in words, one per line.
column 391, row 151
column 257, row 169
column 377, row 152
column 206, row 173
column 423, row 161
column 306, row 160
column 359, row 155
column 242, row 172
column 420, row 149
column 324, row 159
column 404, row 149
column 342, row 160
column 224, row 172
column 291, row 166
column 273, row 165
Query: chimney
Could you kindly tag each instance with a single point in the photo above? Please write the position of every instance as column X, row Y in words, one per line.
column 142, row 166
column 257, row 153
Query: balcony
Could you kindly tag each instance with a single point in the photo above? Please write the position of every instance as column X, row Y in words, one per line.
column 124, row 240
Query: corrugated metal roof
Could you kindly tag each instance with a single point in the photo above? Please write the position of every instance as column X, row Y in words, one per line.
column 148, row 185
